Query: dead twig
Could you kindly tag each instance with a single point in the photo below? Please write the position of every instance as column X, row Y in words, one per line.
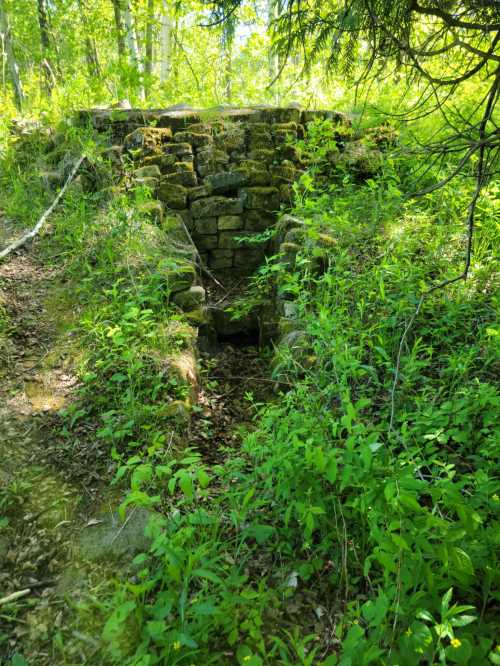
column 31, row 234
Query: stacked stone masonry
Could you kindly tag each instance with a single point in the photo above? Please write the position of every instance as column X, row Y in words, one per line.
column 226, row 172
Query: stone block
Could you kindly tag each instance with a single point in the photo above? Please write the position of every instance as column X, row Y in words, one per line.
column 152, row 211
column 252, row 176
column 282, row 174
column 149, row 171
column 211, row 155
column 206, row 242
column 256, row 220
column 284, row 136
column 176, row 277
column 191, row 298
column 286, row 193
column 193, row 138
column 221, row 259
column 186, row 178
column 263, row 155
column 227, row 240
column 147, row 140
column 215, row 206
column 246, row 258
column 182, row 150
column 187, row 218
column 206, row 225
column 173, row 195
column 232, row 137
column 261, row 198
column 150, row 183
column 230, row 222
column 225, row 181
column 199, row 192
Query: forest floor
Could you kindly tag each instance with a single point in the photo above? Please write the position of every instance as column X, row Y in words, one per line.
column 55, row 486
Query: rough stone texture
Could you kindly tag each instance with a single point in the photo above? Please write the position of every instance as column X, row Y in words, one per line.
column 214, row 206
column 228, row 171
column 261, row 198
column 191, row 298
column 174, row 196
column 230, row 222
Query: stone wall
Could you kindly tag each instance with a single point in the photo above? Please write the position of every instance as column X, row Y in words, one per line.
column 226, row 172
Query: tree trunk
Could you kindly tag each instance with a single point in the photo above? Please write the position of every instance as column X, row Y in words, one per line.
column 149, row 37
column 165, row 42
column 132, row 45
column 91, row 56
column 227, row 39
column 11, row 60
column 148, row 62
column 228, row 71
column 120, row 39
column 273, row 9
column 48, row 70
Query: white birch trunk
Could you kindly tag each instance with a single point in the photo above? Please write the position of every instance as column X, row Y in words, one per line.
column 165, row 42
column 11, row 59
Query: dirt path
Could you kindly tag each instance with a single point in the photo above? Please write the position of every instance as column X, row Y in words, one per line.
column 50, row 490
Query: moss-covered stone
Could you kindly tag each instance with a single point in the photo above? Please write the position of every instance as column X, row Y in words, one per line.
column 150, row 183
column 228, row 240
column 225, row 181
column 184, row 177
column 199, row 192
column 206, row 225
column 256, row 220
column 261, row 198
column 183, row 151
column 215, row 206
column 149, row 171
column 176, row 276
column 284, row 136
column 253, row 176
column 192, row 298
column 248, row 258
column 230, row 222
column 147, row 140
column 282, row 174
column 206, row 241
column 230, row 138
column 152, row 211
column 178, row 410
column 173, row 195
column 193, row 138
column 264, row 155
column 198, row 316
column 218, row 259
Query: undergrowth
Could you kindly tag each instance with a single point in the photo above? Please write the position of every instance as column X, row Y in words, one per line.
column 332, row 537
column 329, row 537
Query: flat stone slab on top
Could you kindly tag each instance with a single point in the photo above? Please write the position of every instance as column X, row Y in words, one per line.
column 179, row 118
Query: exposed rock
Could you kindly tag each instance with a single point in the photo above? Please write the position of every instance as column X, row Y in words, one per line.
column 194, row 139
column 174, row 196
column 192, row 298
column 206, row 225
column 215, row 206
column 230, row 222
column 150, row 171
column 262, row 198
column 177, row 276
column 221, row 259
column 225, row 181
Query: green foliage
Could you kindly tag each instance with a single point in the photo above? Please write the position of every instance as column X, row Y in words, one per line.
column 393, row 531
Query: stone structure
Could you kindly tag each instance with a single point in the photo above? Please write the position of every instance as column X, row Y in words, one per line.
column 226, row 172
column 220, row 179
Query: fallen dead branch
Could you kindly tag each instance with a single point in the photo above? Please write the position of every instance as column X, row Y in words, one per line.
column 31, row 234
